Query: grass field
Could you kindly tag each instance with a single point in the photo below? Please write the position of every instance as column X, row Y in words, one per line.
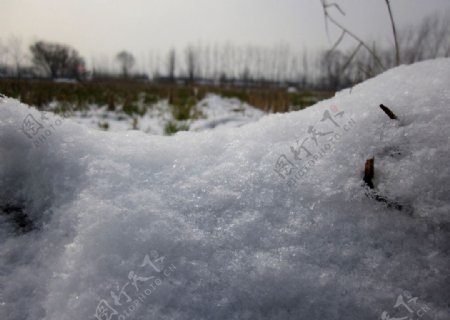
column 134, row 97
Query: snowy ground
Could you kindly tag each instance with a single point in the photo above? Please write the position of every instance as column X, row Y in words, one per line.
column 214, row 112
column 221, row 225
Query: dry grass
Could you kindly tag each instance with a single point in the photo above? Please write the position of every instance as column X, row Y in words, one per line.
column 128, row 93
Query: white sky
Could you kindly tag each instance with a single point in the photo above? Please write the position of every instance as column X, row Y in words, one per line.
column 99, row 28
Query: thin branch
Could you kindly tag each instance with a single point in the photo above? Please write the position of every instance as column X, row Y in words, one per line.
column 334, row 4
column 338, row 40
column 328, row 17
column 351, row 57
column 394, row 31
column 325, row 14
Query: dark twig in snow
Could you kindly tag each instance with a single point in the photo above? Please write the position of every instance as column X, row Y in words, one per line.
column 369, row 172
column 388, row 112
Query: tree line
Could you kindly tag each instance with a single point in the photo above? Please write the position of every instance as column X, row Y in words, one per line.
column 333, row 68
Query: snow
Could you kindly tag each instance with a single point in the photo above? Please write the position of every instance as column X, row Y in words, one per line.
column 200, row 225
column 216, row 112
column 224, row 113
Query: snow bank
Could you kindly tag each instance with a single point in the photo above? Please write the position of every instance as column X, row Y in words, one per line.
column 219, row 225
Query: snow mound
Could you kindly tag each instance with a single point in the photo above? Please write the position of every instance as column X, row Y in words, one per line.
column 266, row 221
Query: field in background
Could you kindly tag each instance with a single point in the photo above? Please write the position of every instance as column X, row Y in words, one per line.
column 127, row 94
column 162, row 109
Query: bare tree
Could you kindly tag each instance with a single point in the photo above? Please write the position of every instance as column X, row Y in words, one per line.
column 171, row 65
column 57, row 60
column 207, row 61
column 16, row 54
column 191, row 63
column 429, row 41
column 3, row 53
column 331, row 65
column 305, row 67
column 126, row 61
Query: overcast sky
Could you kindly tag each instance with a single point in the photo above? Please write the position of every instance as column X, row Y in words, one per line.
column 103, row 27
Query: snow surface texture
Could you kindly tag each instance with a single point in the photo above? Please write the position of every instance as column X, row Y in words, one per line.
column 216, row 111
column 200, row 226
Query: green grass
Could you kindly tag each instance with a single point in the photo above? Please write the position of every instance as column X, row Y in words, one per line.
column 173, row 127
column 302, row 100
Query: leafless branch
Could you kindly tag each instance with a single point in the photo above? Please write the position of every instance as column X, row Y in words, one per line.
column 336, row 44
column 349, row 60
column 394, row 31
column 329, row 18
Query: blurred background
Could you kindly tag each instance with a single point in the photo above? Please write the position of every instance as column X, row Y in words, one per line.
column 112, row 62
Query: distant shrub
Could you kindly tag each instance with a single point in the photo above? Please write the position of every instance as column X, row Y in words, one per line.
column 173, row 127
column 302, row 100
column 132, row 107
column 104, row 125
column 150, row 99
